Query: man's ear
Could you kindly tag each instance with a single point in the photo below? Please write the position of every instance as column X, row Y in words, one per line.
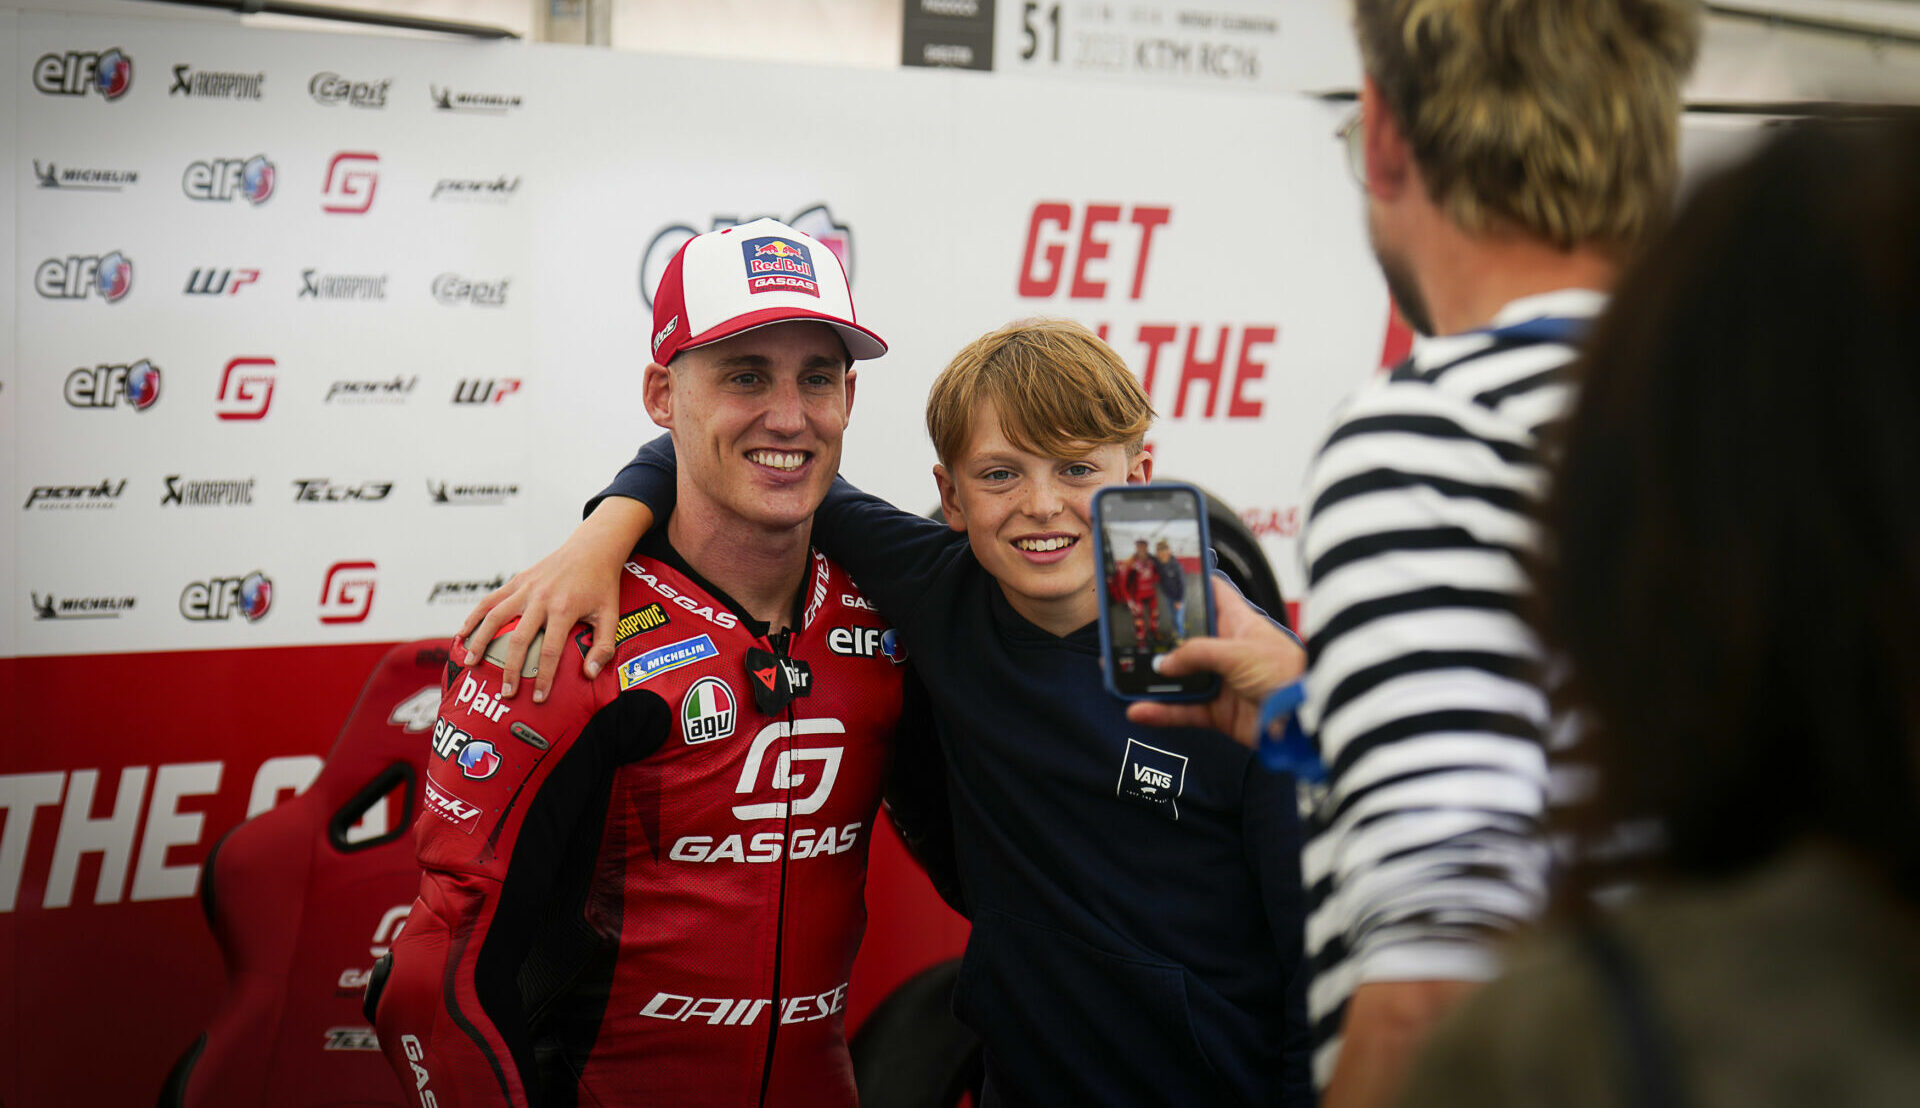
column 949, row 498
column 656, row 391
column 1140, row 468
column 851, row 375
column 1389, row 159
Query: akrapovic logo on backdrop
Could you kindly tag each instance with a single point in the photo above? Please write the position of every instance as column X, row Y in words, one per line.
column 458, row 494
column 206, row 84
column 474, row 103
column 315, row 285
column 219, row 282
column 136, row 386
column 451, row 289
column 323, row 490
column 496, row 190
column 84, row 178
column 329, row 88
column 394, row 390
column 64, row 497
column 249, row 179
column 49, row 606
column 109, row 73
column 216, row 493
column 79, row 276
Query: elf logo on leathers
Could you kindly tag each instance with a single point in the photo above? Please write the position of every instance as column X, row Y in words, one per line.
column 784, row 768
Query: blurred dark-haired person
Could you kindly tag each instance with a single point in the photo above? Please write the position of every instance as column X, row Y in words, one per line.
column 1732, row 570
column 1513, row 156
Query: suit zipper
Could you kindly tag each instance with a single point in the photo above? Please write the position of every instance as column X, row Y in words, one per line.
column 780, row 919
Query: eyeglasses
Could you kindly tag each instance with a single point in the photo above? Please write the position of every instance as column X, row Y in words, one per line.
column 1354, row 138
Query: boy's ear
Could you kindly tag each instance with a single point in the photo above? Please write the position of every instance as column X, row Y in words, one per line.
column 949, row 498
column 656, row 392
column 1140, row 469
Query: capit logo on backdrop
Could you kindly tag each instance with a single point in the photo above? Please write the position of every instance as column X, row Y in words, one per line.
column 352, row 177
column 346, row 596
column 109, row 73
column 246, row 389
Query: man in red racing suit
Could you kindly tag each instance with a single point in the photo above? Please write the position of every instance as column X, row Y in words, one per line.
column 649, row 889
column 1137, row 585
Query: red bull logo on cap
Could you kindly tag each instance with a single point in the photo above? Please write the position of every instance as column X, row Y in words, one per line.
column 779, row 265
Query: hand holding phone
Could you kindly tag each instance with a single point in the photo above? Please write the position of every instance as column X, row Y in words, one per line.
column 1151, row 544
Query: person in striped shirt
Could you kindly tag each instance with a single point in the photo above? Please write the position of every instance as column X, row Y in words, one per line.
column 1513, row 156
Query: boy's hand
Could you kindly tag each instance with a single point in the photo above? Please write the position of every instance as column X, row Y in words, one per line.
column 1252, row 656
column 578, row 583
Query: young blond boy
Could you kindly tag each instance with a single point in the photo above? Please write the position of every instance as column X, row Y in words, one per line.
column 1134, row 892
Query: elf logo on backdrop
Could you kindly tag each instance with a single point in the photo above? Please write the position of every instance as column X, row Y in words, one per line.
column 329, row 88
column 473, row 103
column 84, row 179
column 346, row 596
column 352, row 177
column 109, row 73
column 207, row 85
column 817, row 222
column 216, row 179
column 109, row 386
column 218, row 282
column 220, row 598
column 246, row 389
column 108, row 276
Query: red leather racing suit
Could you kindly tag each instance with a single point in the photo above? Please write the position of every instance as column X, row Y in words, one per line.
column 649, row 889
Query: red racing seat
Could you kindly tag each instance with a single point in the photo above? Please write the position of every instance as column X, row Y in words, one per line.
column 302, row 904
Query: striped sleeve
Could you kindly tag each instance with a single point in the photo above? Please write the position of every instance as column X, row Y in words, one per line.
column 1424, row 677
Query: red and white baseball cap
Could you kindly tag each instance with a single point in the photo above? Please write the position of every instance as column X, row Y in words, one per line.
column 752, row 275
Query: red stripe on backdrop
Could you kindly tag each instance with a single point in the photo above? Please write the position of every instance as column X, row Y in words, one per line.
column 101, row 995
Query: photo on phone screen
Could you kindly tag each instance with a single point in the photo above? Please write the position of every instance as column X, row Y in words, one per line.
column 1152, row 545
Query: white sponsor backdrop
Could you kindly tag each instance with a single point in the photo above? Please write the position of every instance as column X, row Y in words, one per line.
column 1213, row 234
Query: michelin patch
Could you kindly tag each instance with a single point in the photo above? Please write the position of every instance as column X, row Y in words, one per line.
column 643, row 667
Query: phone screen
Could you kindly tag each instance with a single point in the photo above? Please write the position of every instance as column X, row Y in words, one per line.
column 1153, row 586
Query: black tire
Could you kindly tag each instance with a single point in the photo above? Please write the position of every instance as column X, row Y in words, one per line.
column 1239, row 556
column 912, row 1053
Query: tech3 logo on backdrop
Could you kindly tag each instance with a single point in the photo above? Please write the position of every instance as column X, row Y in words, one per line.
column 817, row 221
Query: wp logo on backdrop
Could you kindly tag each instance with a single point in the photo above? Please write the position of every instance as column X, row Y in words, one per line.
column 351, row 179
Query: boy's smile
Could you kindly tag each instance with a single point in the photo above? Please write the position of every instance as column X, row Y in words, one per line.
column 1029, row 518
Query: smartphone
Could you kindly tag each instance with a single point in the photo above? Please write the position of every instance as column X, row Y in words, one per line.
column 1150, row 542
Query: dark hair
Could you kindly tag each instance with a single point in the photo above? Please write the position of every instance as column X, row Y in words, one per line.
column 1732, row 557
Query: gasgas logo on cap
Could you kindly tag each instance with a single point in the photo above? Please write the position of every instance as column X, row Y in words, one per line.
column 779, row 265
